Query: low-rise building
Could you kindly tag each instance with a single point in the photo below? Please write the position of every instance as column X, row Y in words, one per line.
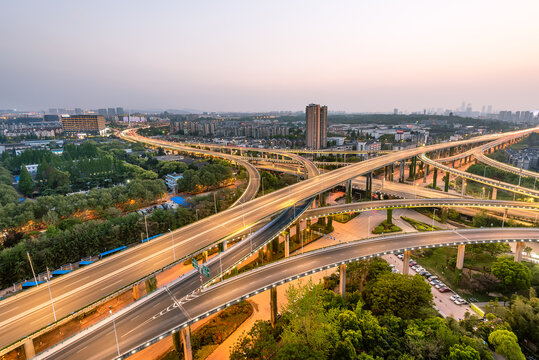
column 172, row 181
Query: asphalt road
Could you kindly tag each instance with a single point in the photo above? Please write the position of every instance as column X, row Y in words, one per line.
column 144, row 321
column 27, row 312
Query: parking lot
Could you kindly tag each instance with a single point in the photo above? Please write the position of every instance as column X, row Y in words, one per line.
column 442, row 301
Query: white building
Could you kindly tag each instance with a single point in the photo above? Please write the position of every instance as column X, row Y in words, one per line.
column 172, row 181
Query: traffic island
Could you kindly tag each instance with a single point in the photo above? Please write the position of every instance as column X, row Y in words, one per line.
column 384, row 227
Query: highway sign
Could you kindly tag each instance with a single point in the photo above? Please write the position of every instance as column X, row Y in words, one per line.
column 195, row 263
column 205, row 270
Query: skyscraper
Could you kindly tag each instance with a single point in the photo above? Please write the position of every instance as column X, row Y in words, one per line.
column 317, row 126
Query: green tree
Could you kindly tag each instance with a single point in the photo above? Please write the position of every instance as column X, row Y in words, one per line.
column 26, row 184
column 258, row 343
column 399, row 295
column 505, row 343
column 463, row 352
column 513, row 275
column 178, row 344
column 523, row 317
column 8, row 194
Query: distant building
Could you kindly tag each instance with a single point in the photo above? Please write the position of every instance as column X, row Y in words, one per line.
column 89, row 124
column 172, row 181
column 32, row 169
column 120, row 111
column 111, row 112
column 317, row 126
column 102, row 112
column 370, row 145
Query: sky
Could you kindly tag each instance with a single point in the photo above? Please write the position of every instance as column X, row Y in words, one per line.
column 234, row 55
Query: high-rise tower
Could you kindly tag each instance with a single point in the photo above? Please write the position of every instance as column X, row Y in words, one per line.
column 317, row 126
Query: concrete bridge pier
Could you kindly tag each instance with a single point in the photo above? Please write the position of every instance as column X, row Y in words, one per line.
column 401, row 172
column 342, row 280
column 434, row 178
column 349, row 191
column 406, row 263
column 29, row 349
column 273, row 306
column 368, row 186
column 518, row 251
column 494, row 193
column 391, row 170
column 460, row 256
column 287, row 245
column 446, row 185
column 463, row 190
column 186, row 340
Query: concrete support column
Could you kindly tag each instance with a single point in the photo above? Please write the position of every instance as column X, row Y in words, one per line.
column 186, row 339
column 349, row 191
column 494, row 193
column 29, row 349
column 342, row 281
column 287, row 245
column 518, row 251
column 298, row 230
column 225, row 245
column 463, row 190
column 446, row 185
column 460, row 256
column 434, row 178
column 391, row 170
column 401, row 172
column 273, row 306
column 406, row 263
column 368, row 186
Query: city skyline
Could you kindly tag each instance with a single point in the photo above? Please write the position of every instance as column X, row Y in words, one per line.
column 261, row 57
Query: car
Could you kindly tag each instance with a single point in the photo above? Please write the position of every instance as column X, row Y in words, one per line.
column 419, row 269
column 433, row 277
column 412, row 264
column 434, row 282
column 444, row 289
column 439, row 285
column 400, row 256
column 395, row 270
column 427, row 274
column 422, row 272
column 462, row 301
column 454, row 297
column 391, row 265
column 416, row 267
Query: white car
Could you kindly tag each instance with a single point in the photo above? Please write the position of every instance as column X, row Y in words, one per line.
column 454, row 297
column 395, row 270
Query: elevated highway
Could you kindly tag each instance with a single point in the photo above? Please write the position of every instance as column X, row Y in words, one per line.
column 480, row 156
column 480, row 179
column 159, row 314
column 31, row 309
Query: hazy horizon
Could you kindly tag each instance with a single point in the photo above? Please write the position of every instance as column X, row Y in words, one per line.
column 248, row 56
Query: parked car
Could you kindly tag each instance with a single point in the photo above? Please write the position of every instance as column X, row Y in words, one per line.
column 433, row 277
column 439, row 285
column 434, row 282
column 395, row 270
column 422, row 272
column 400, row 256
column 454, row 297
column 444, row 289
column 427, row 274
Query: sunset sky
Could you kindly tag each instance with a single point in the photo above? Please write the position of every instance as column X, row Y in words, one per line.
column 356, row 56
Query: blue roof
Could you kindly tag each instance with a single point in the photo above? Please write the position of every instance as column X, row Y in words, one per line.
column 178, row 200
column 60, row 272
column 31, row 283
column 112, row 251
column 175, row 176
column 82, row 263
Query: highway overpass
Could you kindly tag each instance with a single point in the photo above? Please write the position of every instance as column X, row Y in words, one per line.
column 157, row 315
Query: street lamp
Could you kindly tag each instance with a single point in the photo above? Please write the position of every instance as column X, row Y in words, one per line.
column 115, row 333
column 173, row 250
column 32, row 267
column 50, row 294
column 146, row 224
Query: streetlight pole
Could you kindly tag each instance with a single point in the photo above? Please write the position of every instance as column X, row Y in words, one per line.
column 32, row 267
column 115, row 333
column 146, row 224
column 173, row 250
column 50, row 294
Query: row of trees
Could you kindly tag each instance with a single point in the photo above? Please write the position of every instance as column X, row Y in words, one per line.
column 49, row 210
column 207, row 177
column 391, row 318
column 498, row 174
column 57, row 246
